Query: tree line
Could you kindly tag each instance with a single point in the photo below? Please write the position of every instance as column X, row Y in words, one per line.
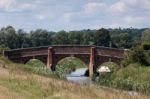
column 115, row 38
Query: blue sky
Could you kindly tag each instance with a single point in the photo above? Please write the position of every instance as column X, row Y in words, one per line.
column 56, row 15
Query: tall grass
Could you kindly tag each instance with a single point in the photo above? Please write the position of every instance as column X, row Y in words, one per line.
column 28, row 85
column 38, row 67
column 133, row 77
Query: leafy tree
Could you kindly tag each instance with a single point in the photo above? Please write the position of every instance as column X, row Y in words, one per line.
column 9, row 37
column 75, row 37
column 122, row 40
column 146, row 36
column 40, row 37
column 23, row 39
column 88, row 37
column 60, row 38
column 102, row 38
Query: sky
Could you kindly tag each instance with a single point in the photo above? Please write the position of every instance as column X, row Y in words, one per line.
column 56, row 15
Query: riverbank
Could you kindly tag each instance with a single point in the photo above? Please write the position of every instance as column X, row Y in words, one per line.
column 16, row 82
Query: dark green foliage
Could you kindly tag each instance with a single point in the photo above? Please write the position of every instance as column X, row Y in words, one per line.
column 117, row 38
column 138, row 55
column 102, row 38
column 60, row 38
column 40, row 37
column 37, row 67
column 122, row 40
column 146, row 36
column 146, row 46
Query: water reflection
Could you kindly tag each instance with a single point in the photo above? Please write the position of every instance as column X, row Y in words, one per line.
column 78, row 76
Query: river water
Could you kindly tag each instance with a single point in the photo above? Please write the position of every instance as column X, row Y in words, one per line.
column 77, row 76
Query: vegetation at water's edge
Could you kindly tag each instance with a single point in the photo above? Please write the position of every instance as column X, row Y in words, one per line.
column 135, row 72
column 67, row 65
column 64, row 67
column 17, row 82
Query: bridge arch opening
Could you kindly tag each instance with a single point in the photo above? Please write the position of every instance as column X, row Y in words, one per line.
column 113, row 66
column 68, row 65
column 36, row 66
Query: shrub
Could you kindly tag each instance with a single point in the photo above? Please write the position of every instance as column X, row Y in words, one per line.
column 38, row 67
column 133, row 77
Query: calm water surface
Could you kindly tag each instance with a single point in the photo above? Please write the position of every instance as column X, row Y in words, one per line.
column 78, row 76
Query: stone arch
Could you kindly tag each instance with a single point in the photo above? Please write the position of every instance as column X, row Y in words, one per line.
column 73, row 66
column 113, row 66
column 36, row 62
column 102, row 59
column 43, row 59
column 72, row 58
column 56, row 58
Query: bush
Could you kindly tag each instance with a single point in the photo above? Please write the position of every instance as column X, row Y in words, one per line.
column 104, row 79
column 146, row 46
column 137, row 55
column 133, row 77
column 37, row 67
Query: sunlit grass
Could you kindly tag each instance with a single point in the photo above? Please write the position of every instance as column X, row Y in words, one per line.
column 19, row 83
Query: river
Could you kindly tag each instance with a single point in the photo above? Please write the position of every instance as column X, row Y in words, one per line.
column 77, row 76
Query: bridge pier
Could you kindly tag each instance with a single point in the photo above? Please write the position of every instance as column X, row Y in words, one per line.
column 92, row 61
column 50, row 58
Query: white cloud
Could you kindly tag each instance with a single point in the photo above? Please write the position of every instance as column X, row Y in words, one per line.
column 14, row 6
column 135, row 19
column 6, row 4
column 27, row 6
column 67, row 16
column 138, row 3
column 40, row 17
column 94, row 6
column 75, row 14
column 118, row 7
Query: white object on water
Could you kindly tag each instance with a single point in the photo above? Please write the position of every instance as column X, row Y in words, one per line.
column 103, row 69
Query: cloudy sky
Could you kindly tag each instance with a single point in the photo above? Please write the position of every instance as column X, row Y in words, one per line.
column 67, row 15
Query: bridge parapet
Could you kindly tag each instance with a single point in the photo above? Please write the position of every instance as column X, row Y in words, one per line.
column 111, row 52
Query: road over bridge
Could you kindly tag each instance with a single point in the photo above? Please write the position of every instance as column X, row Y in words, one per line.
column 93, row 56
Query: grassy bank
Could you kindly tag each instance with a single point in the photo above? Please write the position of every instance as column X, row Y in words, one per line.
column 133, row 77
column 16, row 82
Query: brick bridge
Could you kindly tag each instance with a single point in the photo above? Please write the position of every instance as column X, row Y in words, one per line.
column 92, row 56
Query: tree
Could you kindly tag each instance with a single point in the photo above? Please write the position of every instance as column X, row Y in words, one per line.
column 9, row 37
column 23, row 39
column 146, row 36
column 102, row 38
column 61, row 38
column 40, row 37
column 122, row 40
column 88, row 37
column 75, row 37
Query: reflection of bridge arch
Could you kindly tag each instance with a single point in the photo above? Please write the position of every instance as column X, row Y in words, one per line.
column 93, row 56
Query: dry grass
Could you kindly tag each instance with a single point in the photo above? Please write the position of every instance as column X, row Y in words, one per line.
column 22, row 85
column 17, row 83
